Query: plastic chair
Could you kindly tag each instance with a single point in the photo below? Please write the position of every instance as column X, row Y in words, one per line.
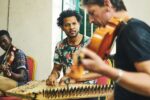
column 31, row 67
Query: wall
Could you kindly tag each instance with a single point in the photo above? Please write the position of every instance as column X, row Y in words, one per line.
column 3, row 13
column 139, row 9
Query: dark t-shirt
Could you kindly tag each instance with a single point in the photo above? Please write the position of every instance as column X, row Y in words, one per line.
column 19, row 62
column 133, row 45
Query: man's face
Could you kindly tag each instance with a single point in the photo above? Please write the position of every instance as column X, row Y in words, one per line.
column 96, row 14
column 5, row 42
column 71, row 26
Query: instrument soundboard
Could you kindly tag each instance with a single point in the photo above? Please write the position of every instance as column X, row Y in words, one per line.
column 38, row 90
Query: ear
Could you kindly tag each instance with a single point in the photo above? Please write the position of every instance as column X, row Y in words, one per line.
column 107, row 3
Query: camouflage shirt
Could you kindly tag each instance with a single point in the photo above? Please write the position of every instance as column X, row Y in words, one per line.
column 64, row 51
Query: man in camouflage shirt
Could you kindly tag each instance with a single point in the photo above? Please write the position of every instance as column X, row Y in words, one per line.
column 69, row 22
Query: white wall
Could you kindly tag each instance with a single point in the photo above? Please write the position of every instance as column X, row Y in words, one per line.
column 56, row 31
column 139, row 9
column 3, row 14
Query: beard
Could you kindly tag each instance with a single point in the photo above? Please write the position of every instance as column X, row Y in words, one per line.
column 72, row 35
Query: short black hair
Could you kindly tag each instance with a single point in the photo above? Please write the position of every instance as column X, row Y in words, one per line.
column 5, row 32
column 68, row 13
column 118, row 4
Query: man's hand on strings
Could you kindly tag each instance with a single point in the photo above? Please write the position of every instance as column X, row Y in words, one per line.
column 93, row 62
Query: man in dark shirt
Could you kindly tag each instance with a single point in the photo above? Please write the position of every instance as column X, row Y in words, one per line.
column 13, row 64
column 132, row 72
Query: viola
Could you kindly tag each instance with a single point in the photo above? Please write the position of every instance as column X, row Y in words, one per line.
column 101, row 43
column 8, row 59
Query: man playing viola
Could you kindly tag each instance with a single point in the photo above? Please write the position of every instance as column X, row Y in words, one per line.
column 13, row 64
column 132, row 58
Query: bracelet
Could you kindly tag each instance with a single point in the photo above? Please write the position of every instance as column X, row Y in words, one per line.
column 120, row 74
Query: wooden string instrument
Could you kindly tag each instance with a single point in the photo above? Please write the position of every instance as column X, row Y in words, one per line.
column 38, row 90
column 8, row 59
column 101, row 43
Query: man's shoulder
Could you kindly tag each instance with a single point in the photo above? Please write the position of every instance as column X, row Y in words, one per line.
column 86, row 39
column 136, row 23
column 134, row 27
column 20, row 52
column 60, row 43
